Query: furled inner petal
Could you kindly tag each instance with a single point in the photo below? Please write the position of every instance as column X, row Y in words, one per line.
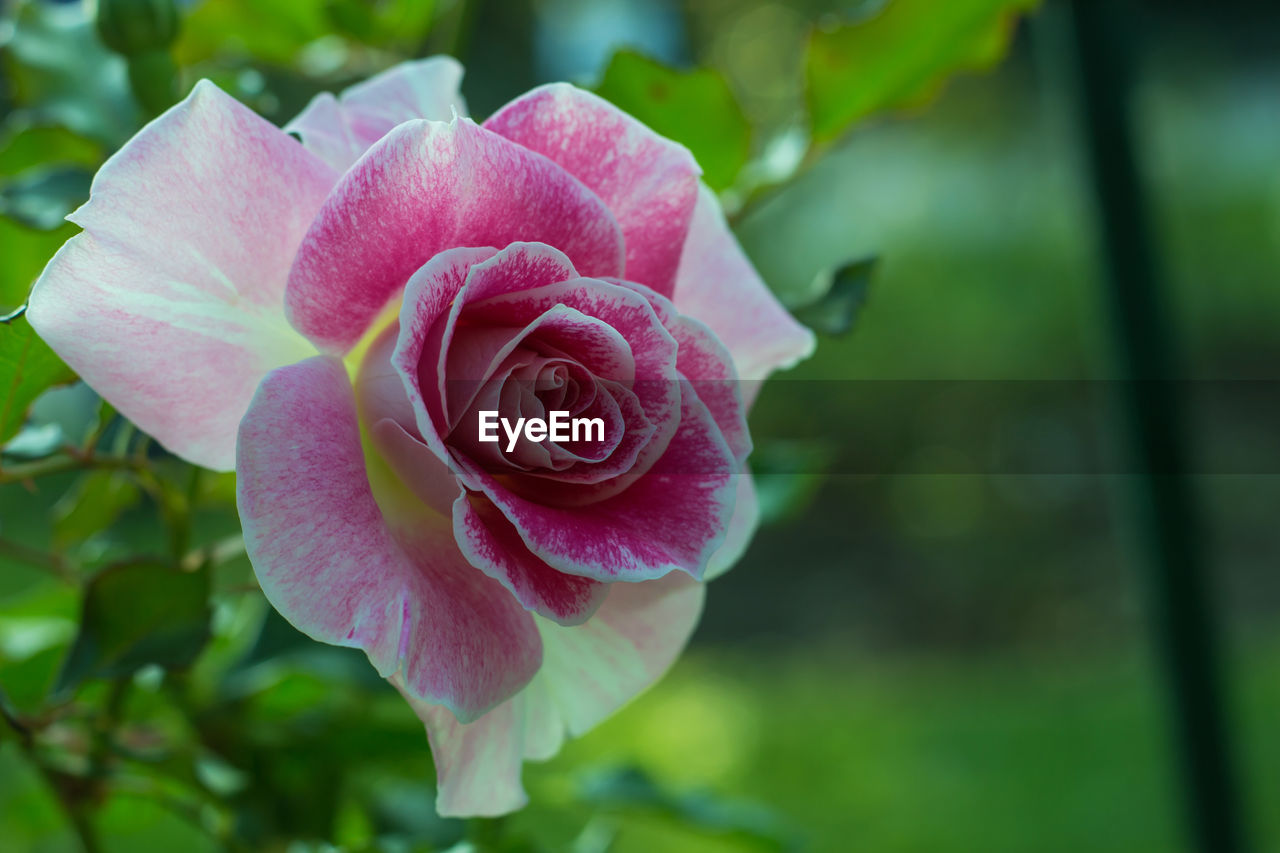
column 476, row 351
column 632, row 316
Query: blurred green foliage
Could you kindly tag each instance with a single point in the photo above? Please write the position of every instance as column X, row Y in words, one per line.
column 899, row 55
column 27, row 367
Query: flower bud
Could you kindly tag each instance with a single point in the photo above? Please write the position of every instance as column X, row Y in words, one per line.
column 133, row 27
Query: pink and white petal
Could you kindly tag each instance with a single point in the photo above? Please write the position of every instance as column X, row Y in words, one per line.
column 171, row 303
column 339, row 130
column 589, row 671
column 478, row 763
column 490, row 543
column 424, row 188
column 746, row 518
column 328, row 560
column 673, row 517
column 718, row 285
column 649, row 182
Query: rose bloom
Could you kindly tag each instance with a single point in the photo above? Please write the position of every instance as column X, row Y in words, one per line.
column 328, row 317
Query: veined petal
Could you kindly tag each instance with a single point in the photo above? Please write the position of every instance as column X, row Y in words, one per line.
column 339, row 130
column 718, row 285
column 649, row 182
column 330, row 563
column 425, row 188
column 170, row 304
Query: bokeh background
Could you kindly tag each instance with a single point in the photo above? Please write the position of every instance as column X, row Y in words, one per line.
column 941, row 639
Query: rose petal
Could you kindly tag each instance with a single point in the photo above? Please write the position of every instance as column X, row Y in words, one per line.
column 425, row 188
column 328, row 560
column 649, row 182
column 339, row 130
column 478, row 763
column 589, row 671
column 631, row 314
column 717, row 285
column 170, row 302
column 489, row 541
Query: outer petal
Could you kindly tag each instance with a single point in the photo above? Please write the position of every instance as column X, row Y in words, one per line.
column 649, row 182
column 328, row 561
column 339, row 130
column 427, row 187
column 589, row 672
column 718, row 285
column 170, row 304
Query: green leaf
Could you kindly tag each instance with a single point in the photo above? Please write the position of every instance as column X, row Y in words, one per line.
column 31, row 818
column 900, row 56
column 92, row 504
column 695, row 108
column 41, row 198
column 388, row 23
column 835, row 312
column 27, row 367
column 136, row 615
column 26, row 146
column 272, row 31
column 25, row 252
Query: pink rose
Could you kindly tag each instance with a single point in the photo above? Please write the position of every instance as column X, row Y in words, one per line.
column 230, row 283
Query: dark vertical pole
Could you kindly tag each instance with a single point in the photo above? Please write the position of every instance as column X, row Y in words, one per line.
column 1159, row 494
